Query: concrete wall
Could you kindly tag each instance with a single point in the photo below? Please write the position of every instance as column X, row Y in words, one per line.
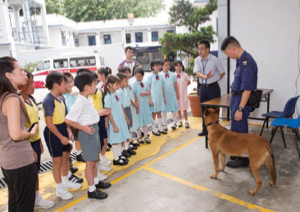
column 269, row 30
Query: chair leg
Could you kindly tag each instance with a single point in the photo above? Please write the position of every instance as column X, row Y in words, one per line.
column 296, row 140
column 282, row 133
column 263, row 126
column 273, row 133
column 296, row 133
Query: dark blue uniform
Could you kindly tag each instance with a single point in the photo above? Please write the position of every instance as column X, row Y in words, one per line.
column 245, row 78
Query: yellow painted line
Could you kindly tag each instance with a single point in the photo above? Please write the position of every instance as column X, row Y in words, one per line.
column 201, row 188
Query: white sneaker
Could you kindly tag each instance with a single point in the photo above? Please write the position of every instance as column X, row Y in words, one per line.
column 72, row 185
column 104, row 167
column 101, row 176
column 64, row 194
column 43, row 204
column 105, row 160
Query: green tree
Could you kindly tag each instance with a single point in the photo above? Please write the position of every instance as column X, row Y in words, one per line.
column 184, row 13
column 55, row 6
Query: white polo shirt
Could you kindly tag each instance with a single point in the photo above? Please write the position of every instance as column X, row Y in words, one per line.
column 83, row 111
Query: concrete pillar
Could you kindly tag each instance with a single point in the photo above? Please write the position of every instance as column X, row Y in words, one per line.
column 149, row 35
column 123, row 36
column 17, row 22
column 45, row 25
column 97, row 37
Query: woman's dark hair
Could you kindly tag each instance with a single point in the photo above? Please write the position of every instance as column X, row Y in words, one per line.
column 123, row 69
column 106, row 71
column 55, row 77
column 154, row 62
column 139, row 71
column 7, row 65
column 121, row 76
column 112, row 80
column 83, row 79
column 180, row 63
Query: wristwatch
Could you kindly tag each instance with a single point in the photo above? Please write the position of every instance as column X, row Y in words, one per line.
column 241, row 109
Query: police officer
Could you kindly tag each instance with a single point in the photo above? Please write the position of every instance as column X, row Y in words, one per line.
column 209, row 70
column 245, row 81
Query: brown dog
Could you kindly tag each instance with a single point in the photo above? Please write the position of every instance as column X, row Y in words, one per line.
column 226, row 142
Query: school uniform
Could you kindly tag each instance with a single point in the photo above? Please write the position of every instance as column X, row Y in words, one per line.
column 57, row 109
column 70, row 99
column 157, row 97
column 135, row 120
column 112, row 102
column 125, row 101
column 84, row 113
column 168, row 80
column 182, row 80
column 144, row 116
column 33, row 113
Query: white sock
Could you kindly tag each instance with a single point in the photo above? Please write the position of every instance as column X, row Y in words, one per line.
column 120, row 149
column 65, row 179
column 37, row 196
column 154, row 129
column 59, row 186
column 145, row 129
column 101, row 158
column 160, row 124
column 130, row 139
column 69, row 174
column 164, row 118
column 138, row 133
column 98, row 165
column 96, row 180
column 92, row 188
column 186, row 121
column 126, row 145
column 78, row 152
column 174, row 116
column 115, row 150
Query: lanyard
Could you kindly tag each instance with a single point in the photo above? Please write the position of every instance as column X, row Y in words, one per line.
column 204, row 81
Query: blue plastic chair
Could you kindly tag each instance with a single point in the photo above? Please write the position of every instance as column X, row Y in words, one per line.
column 293, row 124
column 288, row 112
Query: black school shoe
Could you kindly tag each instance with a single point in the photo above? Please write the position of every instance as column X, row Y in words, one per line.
column 126, row 154
column 107, row 148
column 75, row 179
column 132, row 147
column 134, row 144
column 103, row 185
column 238, row 162
column 163, row 132
column 173, row 127
column 180, row 124
column 156, row 133
column 130, row 151
column 124, row 158
column 201, row 133
column 79, row 158
column 147, row 140
column 120, row 162
column 97, row 194
column 140, row 141
column 142, row 134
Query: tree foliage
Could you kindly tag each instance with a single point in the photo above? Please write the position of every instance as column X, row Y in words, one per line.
column 184, row 13
column 92, row 10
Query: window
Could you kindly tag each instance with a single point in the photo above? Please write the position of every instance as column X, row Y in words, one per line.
column 170, row 31
column 82, row 61
column 60, row 63
column 155, row 36
column 128, row 38
column 138, row 37
column 63, row 38
column 107, row 39
column 43, row 65
column 92, row 40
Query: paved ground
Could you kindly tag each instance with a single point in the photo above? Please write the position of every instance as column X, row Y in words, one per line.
column 172, row 174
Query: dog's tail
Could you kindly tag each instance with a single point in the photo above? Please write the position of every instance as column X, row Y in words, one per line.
column 270, row 162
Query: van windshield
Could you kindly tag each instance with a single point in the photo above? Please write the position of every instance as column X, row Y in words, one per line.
column 82, row 61
column 43, row 65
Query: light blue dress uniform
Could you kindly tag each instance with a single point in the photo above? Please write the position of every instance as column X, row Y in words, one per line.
column 113, row 102
column 70, row 99
column 123, row 97
column 168, row 80
column 157, row 97
column 135, row 120
column 144, row 116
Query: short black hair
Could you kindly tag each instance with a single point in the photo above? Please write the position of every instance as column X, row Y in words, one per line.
column 205, row 42
column 83, row 79
column 164, row 61
column 123, row 69
column 155, row 62
column 139, row 71
column 121, row 76
column 180, row 63
column 68, row 75
column 230, row 40
column 83, row 70
column 128, row 47
column 55, row 77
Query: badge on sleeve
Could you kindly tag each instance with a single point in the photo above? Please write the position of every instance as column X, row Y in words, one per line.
column 245, row 62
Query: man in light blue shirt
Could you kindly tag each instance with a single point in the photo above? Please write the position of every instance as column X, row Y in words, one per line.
column 209, row 70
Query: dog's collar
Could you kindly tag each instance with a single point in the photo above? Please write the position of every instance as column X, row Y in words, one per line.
column 211, row 123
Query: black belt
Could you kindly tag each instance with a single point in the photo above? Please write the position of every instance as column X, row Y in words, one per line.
column 209, row 85
column 237, row 93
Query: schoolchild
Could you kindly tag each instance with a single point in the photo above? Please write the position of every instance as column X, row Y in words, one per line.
column 57, row 134
column 118, row 122
column 35, row 140
column 183, row 81
column 157, row 97
column 142, row 92
column 84, row 117
column 103, row 73
column 169, row 82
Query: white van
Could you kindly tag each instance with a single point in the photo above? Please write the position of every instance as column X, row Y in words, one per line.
column 63, row 63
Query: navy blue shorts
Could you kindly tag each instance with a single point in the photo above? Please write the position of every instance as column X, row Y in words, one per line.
column 36, row 146
column 102, row 130
column 55, row 147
